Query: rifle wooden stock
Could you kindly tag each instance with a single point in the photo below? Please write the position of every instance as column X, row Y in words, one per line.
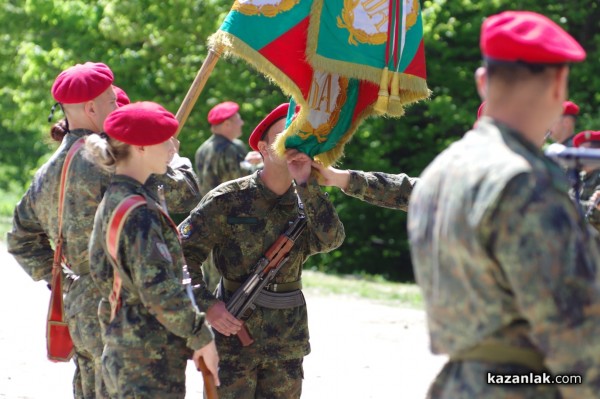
column 210, row 389
column 244, row 336
column 196, row 88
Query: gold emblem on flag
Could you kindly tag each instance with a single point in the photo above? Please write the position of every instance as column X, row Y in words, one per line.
column 268, row 8
column 367, row 20
column 328, row 93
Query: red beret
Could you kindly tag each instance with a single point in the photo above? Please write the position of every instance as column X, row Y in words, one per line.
column 570, row 108
column 264, row 125
column 221, row 112
column 525, row 36
column 587, row 135
column 141, row 123
column 122, row 98
column 480, row 110
column 81, row 83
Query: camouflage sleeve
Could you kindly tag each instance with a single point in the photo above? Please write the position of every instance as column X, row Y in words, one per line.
column 230, row 166
column 381, row 189
column 549, row 257
column 200, row 232
column 29, row 243
column 326, row 231
column 101, row 269
column 160, row 289
column 181, row 185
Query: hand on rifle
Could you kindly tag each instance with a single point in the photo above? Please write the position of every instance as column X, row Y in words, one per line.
column 208, row 354
column 221, row 320
column 299, row 165
column 331, row 176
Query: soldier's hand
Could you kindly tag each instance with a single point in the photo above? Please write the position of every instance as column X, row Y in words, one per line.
column 221, row 320
column 595, row 198
column 209, row 354
column 253, row 157
column 299, row 165
column 331, row 176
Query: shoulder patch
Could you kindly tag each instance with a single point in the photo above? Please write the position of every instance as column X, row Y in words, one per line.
column 185, row 229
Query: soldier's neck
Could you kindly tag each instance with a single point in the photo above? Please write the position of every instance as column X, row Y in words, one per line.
column 278, row 180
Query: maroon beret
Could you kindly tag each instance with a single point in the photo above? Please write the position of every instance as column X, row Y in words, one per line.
column 264, row 125
column 524, row 36
column 221, row 112
column 587, row 135
column 122, row 98
column 141, row 123
column 570, row 108
column 81, row 83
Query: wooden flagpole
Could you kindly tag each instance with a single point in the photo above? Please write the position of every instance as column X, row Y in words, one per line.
column 196, row 88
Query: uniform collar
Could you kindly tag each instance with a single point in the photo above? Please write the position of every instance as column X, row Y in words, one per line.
column 513, row 134
column 78, row 133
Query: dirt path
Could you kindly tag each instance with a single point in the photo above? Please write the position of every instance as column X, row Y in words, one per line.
column 360, row 349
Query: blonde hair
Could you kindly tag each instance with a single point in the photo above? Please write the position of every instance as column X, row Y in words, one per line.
column 105, row 151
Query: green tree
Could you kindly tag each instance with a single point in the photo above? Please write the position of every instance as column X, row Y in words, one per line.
column 156, row 47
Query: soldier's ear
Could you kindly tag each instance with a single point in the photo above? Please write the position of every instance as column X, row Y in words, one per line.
column 481, row 82
column 262, row 147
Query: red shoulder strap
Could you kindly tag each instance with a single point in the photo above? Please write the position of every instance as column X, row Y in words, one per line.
column 117, row 220
column 115, row 226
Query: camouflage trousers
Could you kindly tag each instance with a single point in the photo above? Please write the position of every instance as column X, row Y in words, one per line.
column 84, row 328
column 469, row 379
column 261, row 379
column 147, row 372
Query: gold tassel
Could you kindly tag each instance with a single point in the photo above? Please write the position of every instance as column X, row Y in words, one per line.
column 381, row 105
column 395, row 107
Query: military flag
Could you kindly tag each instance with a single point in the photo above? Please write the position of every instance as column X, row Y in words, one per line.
column 341, row 60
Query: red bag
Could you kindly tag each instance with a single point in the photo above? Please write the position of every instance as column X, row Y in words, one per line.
column 58, row 339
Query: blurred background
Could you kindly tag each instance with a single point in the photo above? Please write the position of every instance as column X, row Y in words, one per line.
column 155, row 49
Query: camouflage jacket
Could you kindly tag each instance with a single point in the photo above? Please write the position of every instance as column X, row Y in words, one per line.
column 35, row 221
column 218, row 160
column 238, row 221
column 381, row 189
column 154, row 302
column 501, row 253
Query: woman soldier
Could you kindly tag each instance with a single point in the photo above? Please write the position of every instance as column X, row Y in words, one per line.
column 153, row 323
column 86, row 95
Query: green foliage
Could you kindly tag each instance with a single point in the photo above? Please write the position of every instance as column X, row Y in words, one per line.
column 156, row 47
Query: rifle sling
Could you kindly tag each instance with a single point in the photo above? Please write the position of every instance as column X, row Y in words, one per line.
column 231, row 286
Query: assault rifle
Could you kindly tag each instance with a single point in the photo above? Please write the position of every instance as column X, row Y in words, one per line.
column 241, row 305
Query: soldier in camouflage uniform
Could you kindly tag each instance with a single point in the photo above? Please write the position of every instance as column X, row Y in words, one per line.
column 563, row 130
column 86, row 97
column 506, row 264
column 377, row 188
column 590, row 176
column 237, row 222
column 154, row 330
column 221, row 158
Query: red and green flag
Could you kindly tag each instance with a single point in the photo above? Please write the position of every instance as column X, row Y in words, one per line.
column 341, row 60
